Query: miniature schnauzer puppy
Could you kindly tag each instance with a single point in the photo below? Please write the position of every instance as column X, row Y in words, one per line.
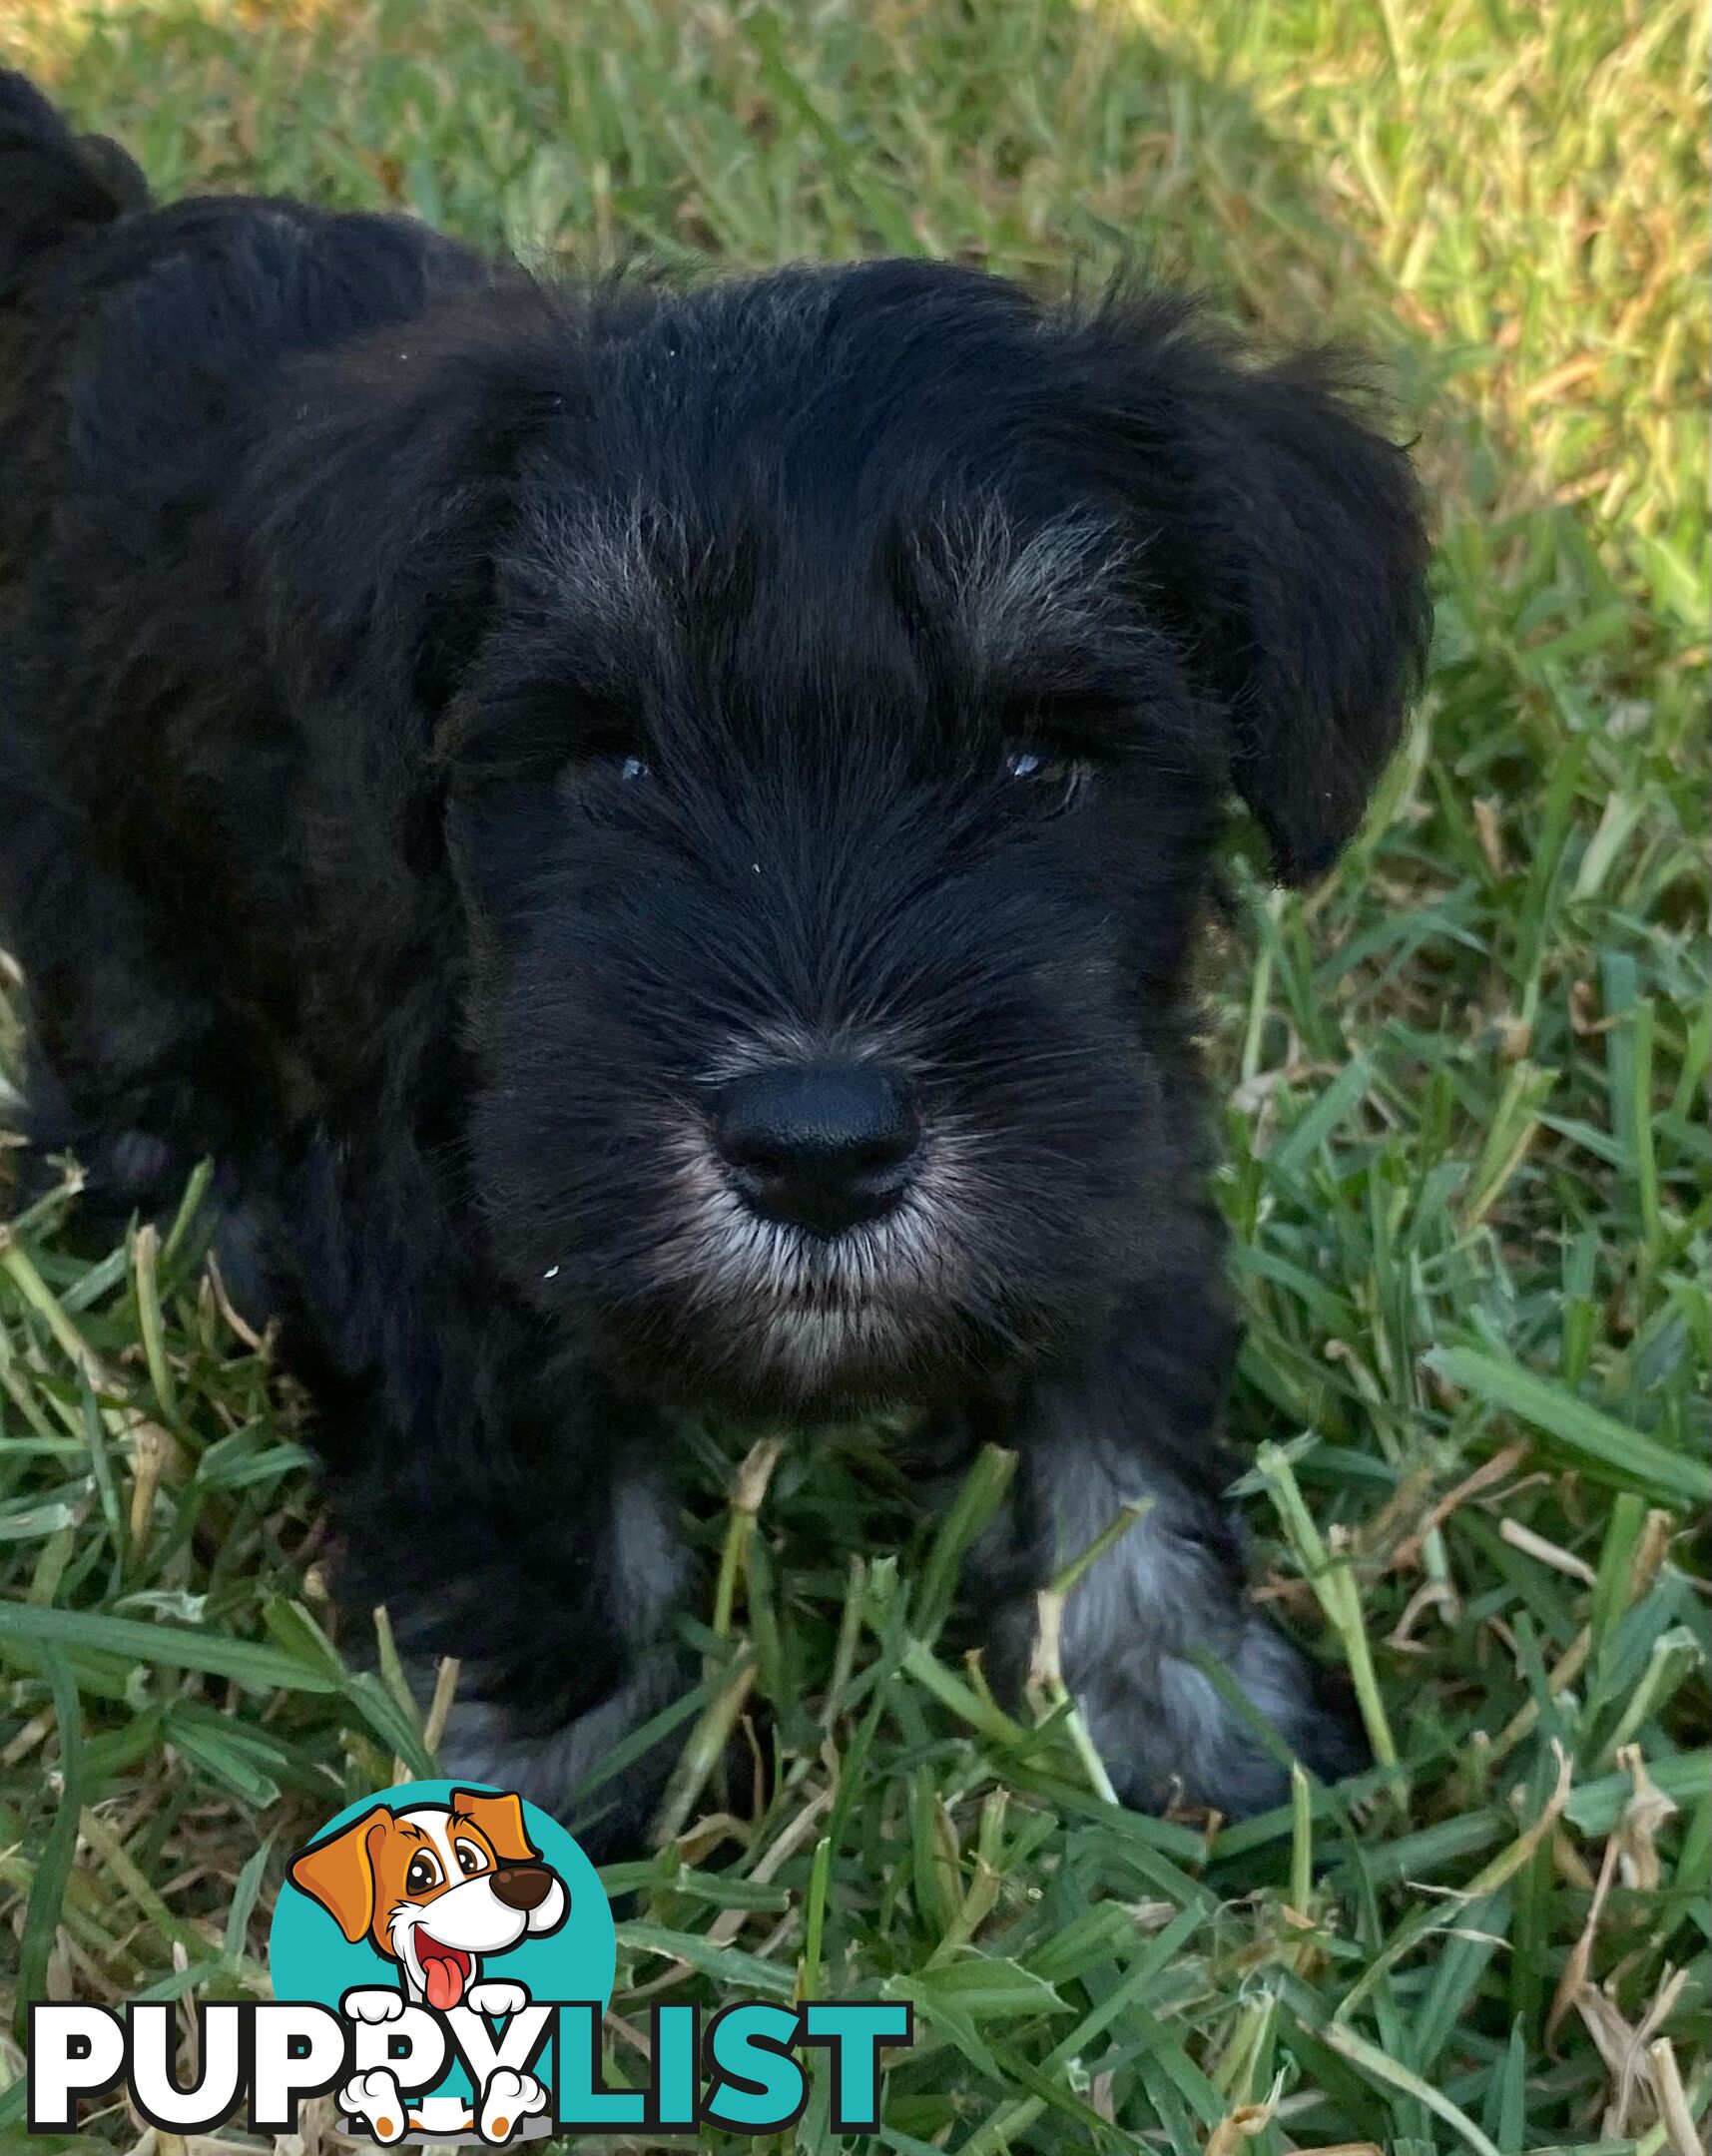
column 657, row 840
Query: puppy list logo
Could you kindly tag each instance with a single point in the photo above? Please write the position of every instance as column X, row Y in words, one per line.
column 454, row 1908
column 442, row 1962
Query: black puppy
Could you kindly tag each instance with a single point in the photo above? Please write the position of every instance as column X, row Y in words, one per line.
column 658, row 843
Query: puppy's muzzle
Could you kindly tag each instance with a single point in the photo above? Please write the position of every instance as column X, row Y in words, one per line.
column 522, row 1887
column 823, row 1147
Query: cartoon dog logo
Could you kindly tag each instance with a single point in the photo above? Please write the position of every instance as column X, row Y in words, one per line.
column 432, row 1888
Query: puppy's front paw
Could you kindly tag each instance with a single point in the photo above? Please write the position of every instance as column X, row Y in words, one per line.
column 1164, row 1730
column 375, row 2099
column 484, row 1744
column 373, row 2007
column 497, row 1997
column 508, row 2099
column 1161, row 1604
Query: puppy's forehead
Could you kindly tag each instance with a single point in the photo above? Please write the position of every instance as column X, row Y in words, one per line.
column 827, row 511
column 418, row 1828
column 962, row 590
column 817, row 374
column 825, row 445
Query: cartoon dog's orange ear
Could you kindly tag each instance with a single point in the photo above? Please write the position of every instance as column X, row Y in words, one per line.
column 339, row 1873
column 500, row 1819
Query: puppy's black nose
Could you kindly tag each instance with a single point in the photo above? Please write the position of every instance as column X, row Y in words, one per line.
column 522, row 1885
column 823, row 1146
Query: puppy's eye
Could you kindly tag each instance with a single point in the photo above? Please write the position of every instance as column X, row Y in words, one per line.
column 1053, row 781
column 590, row 780
column 470, row 1858
column 423, row 1873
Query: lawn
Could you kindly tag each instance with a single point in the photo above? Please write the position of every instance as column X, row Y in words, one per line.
column 1467, row 1158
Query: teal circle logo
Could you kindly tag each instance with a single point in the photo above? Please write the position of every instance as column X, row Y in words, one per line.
column 465, row 1900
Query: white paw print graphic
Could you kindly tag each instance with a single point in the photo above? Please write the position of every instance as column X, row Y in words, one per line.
column 374, row 2098
column 508, row 2099
column 373, row 2007
column 495, row 1996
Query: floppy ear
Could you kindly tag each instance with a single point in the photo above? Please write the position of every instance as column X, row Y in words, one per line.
column 374, row 508
column 372, row 522
column 502, row 1819
column 339, row 1873
column 1284, row 534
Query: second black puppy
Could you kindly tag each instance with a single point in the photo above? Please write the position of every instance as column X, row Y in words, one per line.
column 658, row 842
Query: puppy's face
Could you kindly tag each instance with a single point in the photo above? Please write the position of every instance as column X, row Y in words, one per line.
column 830, row 790
column 836, row 971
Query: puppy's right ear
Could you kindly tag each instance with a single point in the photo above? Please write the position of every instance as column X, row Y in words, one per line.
column 373, row 513
column 340, row 1873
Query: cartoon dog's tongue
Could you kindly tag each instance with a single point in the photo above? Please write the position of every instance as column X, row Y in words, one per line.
column 446, row 1971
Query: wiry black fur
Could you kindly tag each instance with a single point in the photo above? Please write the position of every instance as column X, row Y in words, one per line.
column 340, row 573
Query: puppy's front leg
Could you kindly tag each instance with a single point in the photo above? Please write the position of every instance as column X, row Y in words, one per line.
column 570, row 1659
column 548, row 1565
column 509, row 1507
column 1137, row 1421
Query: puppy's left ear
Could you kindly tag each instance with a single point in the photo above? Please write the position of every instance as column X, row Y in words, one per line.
column 1284, row 534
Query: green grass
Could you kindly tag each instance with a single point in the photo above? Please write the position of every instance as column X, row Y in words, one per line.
column 1467, row 1160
